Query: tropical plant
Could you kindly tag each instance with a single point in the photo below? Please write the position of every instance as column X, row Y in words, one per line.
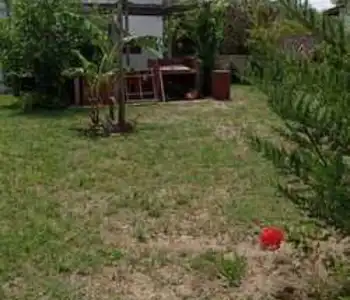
column 106, row 74
column 96, row 77
column 312, row 100
column 203, row 25
column 236, row 32
column 270, row 24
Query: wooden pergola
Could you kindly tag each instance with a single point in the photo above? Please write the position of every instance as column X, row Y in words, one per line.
column 127, row 8
column 124, row 9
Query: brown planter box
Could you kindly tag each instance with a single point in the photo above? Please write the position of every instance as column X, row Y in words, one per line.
column 221, row 84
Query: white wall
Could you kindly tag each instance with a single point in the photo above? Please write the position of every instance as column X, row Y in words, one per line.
column 142, row 26
column 146, row 25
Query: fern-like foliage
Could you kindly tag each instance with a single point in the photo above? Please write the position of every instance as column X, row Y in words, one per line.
column 312, row 98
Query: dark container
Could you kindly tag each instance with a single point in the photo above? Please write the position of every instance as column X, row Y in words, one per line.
column 220, row 84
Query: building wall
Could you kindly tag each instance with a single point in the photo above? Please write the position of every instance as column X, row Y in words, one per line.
column 144, row 26
column 140, row 26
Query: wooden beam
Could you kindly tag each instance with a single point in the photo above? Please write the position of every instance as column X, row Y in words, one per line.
column 144, row 9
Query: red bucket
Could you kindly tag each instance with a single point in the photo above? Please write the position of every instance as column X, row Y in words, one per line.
column 221, row 84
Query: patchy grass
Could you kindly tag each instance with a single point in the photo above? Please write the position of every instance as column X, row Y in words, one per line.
column 232, row 267
column 163, row 213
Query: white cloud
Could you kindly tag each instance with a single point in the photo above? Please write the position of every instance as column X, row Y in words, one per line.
column 321, row 4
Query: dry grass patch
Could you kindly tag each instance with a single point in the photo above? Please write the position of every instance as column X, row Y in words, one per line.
column 164, row 213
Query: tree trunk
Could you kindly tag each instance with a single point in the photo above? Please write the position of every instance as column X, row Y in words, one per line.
column 206, row 81
column 121, row 107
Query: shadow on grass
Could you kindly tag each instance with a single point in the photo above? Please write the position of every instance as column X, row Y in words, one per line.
column 52, row 113
column 15, row 110
column 85, row 132
column 10, row 106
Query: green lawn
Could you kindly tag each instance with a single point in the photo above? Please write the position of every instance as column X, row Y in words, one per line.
column 151, row 215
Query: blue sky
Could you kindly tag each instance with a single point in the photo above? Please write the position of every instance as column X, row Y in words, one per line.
column 321, row 4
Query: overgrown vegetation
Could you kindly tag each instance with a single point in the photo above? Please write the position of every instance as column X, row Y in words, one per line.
column 311, row 99
column 316, row 133
column 102, row 79
column 204, row 27
column 48, row 44
column 36, row 46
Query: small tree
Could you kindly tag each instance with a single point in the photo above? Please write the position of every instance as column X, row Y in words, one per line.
column 312, row 100
column 106, row 73
column 205, row 27
column 96, row 76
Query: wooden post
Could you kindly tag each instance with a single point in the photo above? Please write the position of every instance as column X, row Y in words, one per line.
column 126, row 18
column 120, row 41
column 166, row 17
column 77, row 95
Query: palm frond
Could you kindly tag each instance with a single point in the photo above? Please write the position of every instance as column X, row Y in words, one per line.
column 86, row 64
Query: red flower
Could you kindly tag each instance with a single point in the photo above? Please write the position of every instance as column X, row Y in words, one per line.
column 271, row 238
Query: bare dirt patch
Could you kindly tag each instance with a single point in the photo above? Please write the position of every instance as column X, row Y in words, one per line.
column 285, row 275
column 164, row 272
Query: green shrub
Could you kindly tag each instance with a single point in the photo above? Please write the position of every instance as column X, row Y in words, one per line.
column 312, row 100
column 37, row 41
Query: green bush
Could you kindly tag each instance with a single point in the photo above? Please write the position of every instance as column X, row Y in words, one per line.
column 203, row 29
column 312, row 154
column 312, row 100
column 37, row 42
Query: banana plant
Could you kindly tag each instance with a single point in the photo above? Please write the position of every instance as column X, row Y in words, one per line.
column 95, row 76
column 107, row 73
